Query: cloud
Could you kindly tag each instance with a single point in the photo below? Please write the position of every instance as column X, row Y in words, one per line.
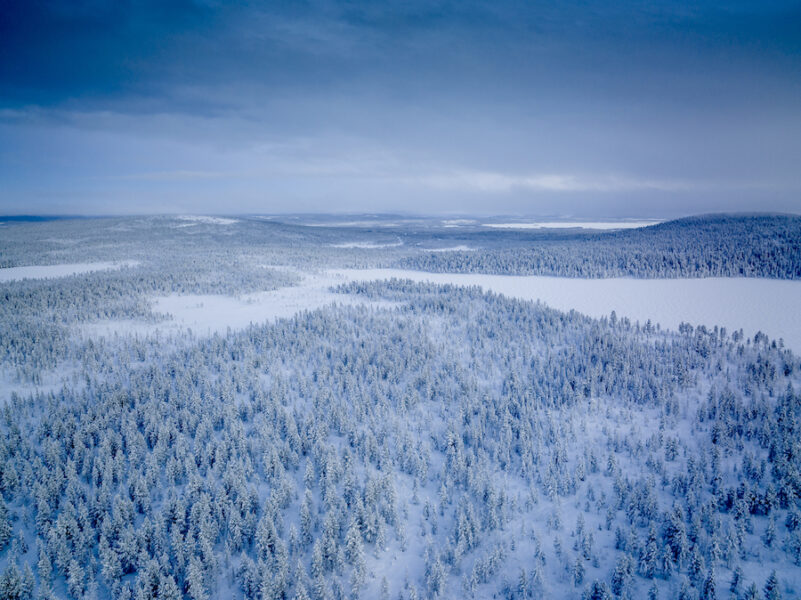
column 382, row 104
column 484, row 181
column 178, row 175
column 498, row 183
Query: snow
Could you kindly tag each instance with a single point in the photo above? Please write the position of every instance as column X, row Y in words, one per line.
column 368, row 245
column 574, row 225
column 214, row 313
column 49, row 271
column 208, row 220
column 206, row 314
column 51, row 381
column 767, row 305
column 356, row 223
column 377, row 394
column 460, row 248
column 457, row 222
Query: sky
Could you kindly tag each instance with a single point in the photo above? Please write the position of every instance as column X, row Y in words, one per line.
column 587, row 108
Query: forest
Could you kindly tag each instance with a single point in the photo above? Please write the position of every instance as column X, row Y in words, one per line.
column 704, row 246
column 426, row 441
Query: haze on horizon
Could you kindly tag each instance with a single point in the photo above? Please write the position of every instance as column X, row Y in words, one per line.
column 591, row 109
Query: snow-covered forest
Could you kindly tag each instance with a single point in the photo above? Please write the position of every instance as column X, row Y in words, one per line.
column 408, row 440
column 705, row 246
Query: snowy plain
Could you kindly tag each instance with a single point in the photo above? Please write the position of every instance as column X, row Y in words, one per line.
column 206, row 220
column 368, row 245
column 50, row 271
column 753, row 305
column 207, row 314
column 766, row 305
column 605, row 225
column 460, row 248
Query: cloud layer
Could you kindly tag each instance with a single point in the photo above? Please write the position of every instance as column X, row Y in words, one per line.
column 631, row 108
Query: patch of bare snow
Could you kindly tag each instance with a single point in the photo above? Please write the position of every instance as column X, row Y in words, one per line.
column 608, row 225
column 368, row 245
column 354, row 224
column 458, row 222
column 206, row 314
column 207, row 220
column 50, row 271
column 50, row 381
column 460, row 248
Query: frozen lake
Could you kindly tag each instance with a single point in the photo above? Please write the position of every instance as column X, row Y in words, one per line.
column 768, row 305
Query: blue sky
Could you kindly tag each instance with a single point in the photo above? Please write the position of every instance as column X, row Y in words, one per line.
column 628, row 108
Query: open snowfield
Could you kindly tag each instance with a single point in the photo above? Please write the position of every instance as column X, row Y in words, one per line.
column 606, row 225
column 460, row 248
column 367, row 223
column 206, row 220
column 207, row 314
column 753, row 305
column 368, row 245
column 458, row 222
column 50, row 271
column 767, row 305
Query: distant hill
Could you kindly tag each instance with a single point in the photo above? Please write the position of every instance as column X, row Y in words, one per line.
column 700, row 246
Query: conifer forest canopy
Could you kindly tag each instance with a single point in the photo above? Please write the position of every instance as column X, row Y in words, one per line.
column 270, row 408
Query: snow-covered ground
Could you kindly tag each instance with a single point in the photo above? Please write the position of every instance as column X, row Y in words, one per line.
column 49, row 271
column 206, row 314
column 361, row 224
column 51, row 381
column 368, row 245
column 458, row 222
column 574, row 225
column 208, row 220
column 460, row 248
column 350, row 376
column 767, row 305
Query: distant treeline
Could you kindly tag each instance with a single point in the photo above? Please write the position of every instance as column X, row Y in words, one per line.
column 705, row 246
